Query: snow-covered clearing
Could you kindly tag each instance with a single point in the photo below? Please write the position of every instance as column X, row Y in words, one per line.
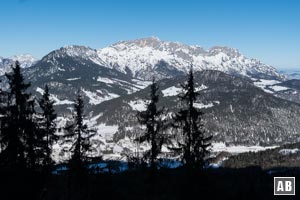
column 174, row 91
column 288, row 151
column 138, row 105
column 171, row 91
column 201, row 87
column 99, row 97
column 263, row 83
column 219, row 147
column 73, row 79
column 104, row 80
column 54, row 98
column 278, row 88
column 201, row 105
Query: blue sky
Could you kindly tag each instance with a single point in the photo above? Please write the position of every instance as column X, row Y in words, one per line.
column 268, row 30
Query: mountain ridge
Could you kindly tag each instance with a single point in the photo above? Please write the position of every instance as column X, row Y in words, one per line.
column 146, row 57
column 25, row 60
column 146, row 54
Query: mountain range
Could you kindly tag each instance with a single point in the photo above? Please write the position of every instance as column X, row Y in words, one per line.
column 26, row 60
column 147, row 57
column 245, row 102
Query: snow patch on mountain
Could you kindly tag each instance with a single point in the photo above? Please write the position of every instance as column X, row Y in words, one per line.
column 138, row 105
column 73, row 79
column 219, row 147
column 105, row 80
column 130, row 86
column 201, row 87
column 278, row 88
column 61, row 102
column 201, row 105
column 99, row 96
column 174, row 91
column 54, row 98
column 141, row 84
column 171, row 91
column 263, row 84
column 288, row 151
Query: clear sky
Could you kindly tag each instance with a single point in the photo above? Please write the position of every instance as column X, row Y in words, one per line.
column 268, row 30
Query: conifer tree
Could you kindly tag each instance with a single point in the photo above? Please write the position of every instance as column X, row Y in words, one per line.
column 47, row 126
column 3, row 101
column 18, row 129
column 195, row 145
column 32, row 137
column 151, row 118
column 79, row 134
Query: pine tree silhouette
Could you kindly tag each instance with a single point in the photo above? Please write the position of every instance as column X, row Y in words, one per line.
column 3, row 101
column 79, row 134
column 18, row 129
column 195, row 144
column 151, row 118
column 32, row 137
column 47, row 127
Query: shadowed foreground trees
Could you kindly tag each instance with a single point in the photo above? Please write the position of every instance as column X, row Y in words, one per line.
column 19, row 134
column 194, row 146
column 26, row 142
column 79, row 134
column 26, row 136
column 152, row 119
column 47, row 127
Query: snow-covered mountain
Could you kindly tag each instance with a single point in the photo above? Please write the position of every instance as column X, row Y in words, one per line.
column 26, row 60
column 78, row 53
column 70, row 68
column 151, row 56
column 143, row 58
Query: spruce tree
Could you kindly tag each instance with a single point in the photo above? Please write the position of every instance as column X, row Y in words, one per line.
column 3, row 101
column 32, row 137
column 195, row 144
column 47, row 127
column 151, row 118
column 18, row 129
column 79, row 134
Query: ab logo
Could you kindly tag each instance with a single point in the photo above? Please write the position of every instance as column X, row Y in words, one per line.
column 284, row 185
